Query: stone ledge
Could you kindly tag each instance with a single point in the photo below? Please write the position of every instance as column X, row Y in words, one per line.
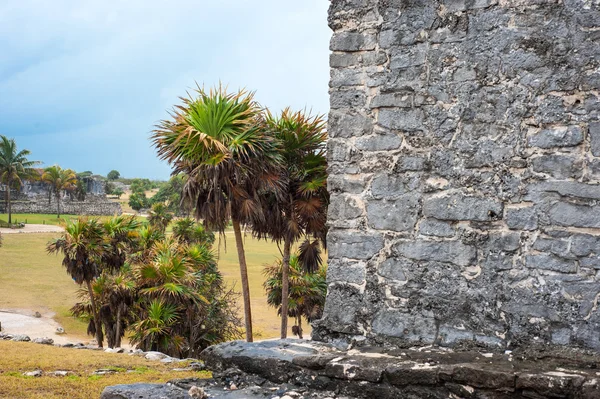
column 418, row 372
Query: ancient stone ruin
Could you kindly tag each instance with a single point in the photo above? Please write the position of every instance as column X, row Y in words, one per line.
column 464, row 167
column 36, row 197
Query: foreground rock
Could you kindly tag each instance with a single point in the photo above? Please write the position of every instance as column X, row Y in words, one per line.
column 415, row 373
column 220, row 388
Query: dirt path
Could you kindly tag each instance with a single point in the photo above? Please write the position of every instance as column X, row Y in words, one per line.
column 23, row 322
column 33, row 228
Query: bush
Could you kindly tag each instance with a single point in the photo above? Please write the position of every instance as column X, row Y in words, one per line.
column 138, row 201
column 113, row 175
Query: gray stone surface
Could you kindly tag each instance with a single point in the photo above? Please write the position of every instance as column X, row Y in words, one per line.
column 464, row 166
column 462, row 207
column 314, row 370
column 563, row 136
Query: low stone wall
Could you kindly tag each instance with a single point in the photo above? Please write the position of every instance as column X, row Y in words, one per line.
column 92, row 206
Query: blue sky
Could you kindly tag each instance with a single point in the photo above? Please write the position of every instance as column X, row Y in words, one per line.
column 82, row 83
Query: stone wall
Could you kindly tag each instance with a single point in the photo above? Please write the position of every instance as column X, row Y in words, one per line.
column 94, row 205
column 464, row 160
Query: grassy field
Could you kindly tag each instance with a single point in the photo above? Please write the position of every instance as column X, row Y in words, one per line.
column 32, row 218
column 31, row 279
column 19, row 357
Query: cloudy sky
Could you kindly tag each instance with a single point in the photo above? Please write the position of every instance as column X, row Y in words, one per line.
column 83, row 82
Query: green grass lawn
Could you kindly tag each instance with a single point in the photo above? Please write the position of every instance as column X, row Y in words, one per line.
column 32, row 279
column 44, row 218
column 34, row 218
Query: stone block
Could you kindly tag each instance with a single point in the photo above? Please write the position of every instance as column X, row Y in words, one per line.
column 346, row 272
column 550, row 262
column 353, row 244
column 394, row 323
column 396, row 100
column 394, row 215
column 344, row 207
column 558, row 166
column 388, row 186
column 585, row 244
column 557, row 247
column 521, row 218
column 436, row 228
column 563, row 136
column 564, row 188
column 410, row 164
column 594, row 133
column 457, row 206
column 401, row 119
column 349, row 184
column 453, row 252
column 352, row 41
column 344, row 125
column 351, row 98
column 379, row 142
column 571, row 215
column 394, row 269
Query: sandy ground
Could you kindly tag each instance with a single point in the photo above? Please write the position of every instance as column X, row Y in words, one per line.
column 33, row 228
column 23, row 322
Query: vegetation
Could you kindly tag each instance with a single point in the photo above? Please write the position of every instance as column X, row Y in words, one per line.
column 170, row 194
column 113, row 175
column 81, row 383
column 299, row 210
column 168, row 292
column 215, row 139
column 59, row 180
column 138, row 200
column 307, row 291
column 187, row 231
column 82, row 245
column 160, row 217
column 33, row 280
column 14, row 168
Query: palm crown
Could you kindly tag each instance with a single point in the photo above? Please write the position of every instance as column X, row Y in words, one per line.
column 14, row 167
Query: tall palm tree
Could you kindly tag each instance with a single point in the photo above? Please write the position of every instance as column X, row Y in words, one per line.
column 306, row 295
column 59, row 179
column 14, row 168
column 187, row 231
column 160, row 217
column 215, row 138
column 301, row 212
column 83, row 245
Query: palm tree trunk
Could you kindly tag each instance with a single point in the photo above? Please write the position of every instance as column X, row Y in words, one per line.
column 58, row 204
column 8, row 181
column 118, row 328
column 285, row 287
column 99, row 336
column 244, row 275
column 300, row 326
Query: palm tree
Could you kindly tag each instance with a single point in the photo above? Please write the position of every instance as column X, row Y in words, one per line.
column 181, row 300
column 301, row 212
column 187, row 231
column 83, row 246
column 160, row 217
column 14, row 168
column 306, row 295
column 59, row 179
column 216, row 139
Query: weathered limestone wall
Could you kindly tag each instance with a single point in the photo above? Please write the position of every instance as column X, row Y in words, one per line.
column 91, row 206
column 464, row 172
column 94, row 205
